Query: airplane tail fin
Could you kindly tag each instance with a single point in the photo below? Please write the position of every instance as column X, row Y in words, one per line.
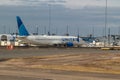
column 22, row 29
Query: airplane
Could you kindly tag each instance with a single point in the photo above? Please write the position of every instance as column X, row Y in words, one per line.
column 46, row 40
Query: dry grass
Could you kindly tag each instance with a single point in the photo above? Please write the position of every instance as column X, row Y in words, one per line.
column 100, row 63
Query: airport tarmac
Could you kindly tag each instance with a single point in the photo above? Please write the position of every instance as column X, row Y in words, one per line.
column 29, row 52
column 59, row 64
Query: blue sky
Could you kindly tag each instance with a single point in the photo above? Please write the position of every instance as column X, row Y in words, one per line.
column 82, row 14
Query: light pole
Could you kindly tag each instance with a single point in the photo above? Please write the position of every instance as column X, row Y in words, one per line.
column 106, row 14
column 49, row 32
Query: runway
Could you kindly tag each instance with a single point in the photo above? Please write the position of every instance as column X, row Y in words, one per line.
column 29, row 52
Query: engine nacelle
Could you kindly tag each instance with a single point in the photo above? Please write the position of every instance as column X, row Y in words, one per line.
column 70, row 44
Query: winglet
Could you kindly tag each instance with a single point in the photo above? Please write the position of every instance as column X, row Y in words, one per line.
column 22, row 29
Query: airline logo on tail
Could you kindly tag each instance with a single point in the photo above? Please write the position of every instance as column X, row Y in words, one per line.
column 22, row 29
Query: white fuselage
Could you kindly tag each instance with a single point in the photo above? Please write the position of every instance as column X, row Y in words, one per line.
column 49, row 40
